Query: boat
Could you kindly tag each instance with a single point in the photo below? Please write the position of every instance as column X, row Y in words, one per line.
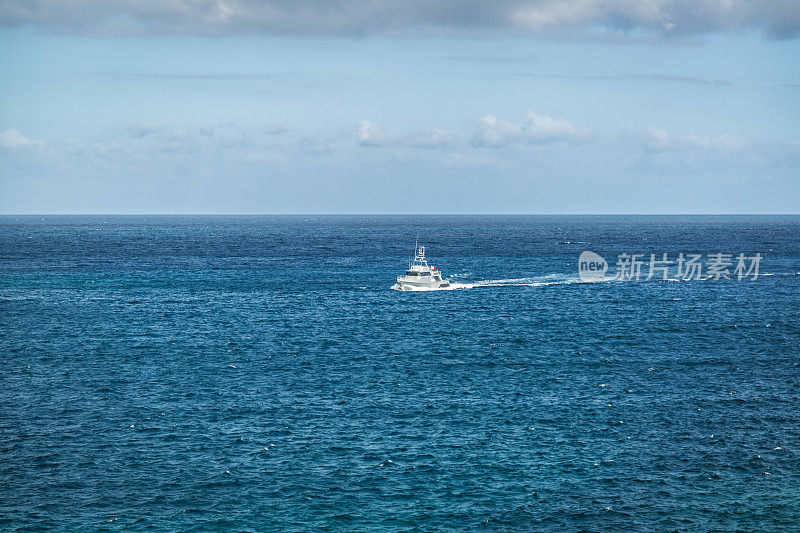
column 420, row 275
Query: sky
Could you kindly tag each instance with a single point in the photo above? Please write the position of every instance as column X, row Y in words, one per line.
column 378, row 106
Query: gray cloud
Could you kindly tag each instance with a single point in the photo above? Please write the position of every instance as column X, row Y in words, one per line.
column 665, row 78
column 143, row 129
column 492, row 60
column 159, row 76
column 777, row 18
column 631, row 77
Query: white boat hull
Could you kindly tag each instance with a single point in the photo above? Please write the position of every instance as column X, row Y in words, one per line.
column 416, row 285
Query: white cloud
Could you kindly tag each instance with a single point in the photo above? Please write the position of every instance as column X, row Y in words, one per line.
column 658, row 140
column 725, row 141
column 545, row 129
column 534, row 129
column 779, row 18
column 372, row 134
column 493, row 131
column 12, row 138
column 431, row 139
column 244, row 164
column 655, row 139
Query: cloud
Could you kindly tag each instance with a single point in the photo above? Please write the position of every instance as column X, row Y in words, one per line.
column 635, row 77
column 777, row 18
column 244, row 164
column 372, row 134
column 661, row 154
column 201, row 76
column 725, row 142
column 12, row 138
column 658, row 140
column 534, row 129
column 493, row 59
column 143, row 129
column 278, row 128
column 431, row 139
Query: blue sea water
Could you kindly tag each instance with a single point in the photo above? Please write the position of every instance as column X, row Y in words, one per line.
column 257, row 373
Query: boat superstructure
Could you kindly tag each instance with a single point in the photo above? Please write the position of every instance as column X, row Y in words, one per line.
column 420, row 275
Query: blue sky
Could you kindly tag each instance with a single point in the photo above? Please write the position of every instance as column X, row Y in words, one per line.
column 597, row 106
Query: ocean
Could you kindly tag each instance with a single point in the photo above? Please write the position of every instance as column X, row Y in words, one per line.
column 258, row 373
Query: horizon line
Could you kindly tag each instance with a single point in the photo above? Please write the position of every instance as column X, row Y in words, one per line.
column 394, row 214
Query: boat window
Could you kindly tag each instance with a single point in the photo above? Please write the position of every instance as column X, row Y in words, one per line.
column 411, row 273
column 424, row 273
